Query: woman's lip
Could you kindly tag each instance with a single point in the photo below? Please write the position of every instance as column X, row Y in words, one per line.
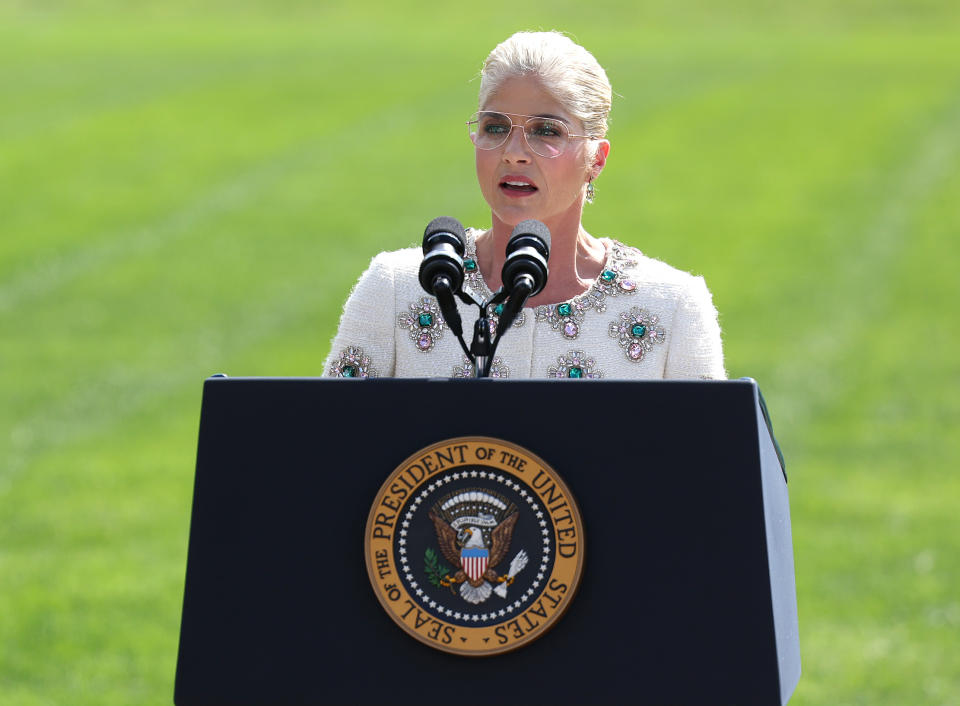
column 517, row 179
column 516, row 186
column 514, row 193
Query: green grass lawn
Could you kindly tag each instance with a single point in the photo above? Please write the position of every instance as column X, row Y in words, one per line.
column 184, row 192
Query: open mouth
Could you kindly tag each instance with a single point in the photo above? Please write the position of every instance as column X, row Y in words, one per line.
column 517, row 186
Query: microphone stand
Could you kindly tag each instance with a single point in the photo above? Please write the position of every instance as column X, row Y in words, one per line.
column 443, row 291
column 482, row 348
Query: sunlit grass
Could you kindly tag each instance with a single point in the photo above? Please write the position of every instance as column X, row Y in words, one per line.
column 188, row 190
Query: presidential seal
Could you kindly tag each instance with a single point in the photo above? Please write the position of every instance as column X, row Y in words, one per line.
column 474, row 546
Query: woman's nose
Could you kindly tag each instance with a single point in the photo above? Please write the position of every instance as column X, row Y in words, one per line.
column 516, row 148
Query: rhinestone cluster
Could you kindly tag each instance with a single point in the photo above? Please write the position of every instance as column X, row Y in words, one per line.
column 352, row 363
column 636, row 331
column 493, row 316
column 566, row 318
column 471, row 269
column 424, row 323
column 497, row 369
column 575, row 365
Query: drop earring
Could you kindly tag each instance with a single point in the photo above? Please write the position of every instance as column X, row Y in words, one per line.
column 591, row 192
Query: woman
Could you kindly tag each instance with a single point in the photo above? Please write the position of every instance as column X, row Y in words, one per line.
column 606, row 311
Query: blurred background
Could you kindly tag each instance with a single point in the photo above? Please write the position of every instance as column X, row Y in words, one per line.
column 189, row 188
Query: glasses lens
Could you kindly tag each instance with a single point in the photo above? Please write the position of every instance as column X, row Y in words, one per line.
column 489, row 130
column 546, row 136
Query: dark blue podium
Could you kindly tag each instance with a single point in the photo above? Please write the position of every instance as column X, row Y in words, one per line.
column 688, row 592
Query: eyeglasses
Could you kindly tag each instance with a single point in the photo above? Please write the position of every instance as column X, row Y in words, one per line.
column 547, row 137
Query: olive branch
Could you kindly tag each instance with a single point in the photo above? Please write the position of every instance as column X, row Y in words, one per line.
column 434, row 569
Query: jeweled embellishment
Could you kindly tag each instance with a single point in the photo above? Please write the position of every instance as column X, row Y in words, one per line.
column 575, row 365
column 636, row 331
column 497, row 369
column 612, row 282
column 494, row 311
column 565, row 318
column 352, row 363
column 423, row 322
column 471, row 268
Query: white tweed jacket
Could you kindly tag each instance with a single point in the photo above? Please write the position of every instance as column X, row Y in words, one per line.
column 641, row 319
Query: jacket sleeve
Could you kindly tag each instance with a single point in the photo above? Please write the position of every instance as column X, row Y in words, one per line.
column 364, row 345
column 696, row 350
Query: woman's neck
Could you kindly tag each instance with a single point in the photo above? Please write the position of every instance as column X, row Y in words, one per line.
column 576, row 259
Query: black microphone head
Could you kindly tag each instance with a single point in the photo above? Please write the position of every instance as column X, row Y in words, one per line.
column 445, row 229
column 527, row 252
column 526, row 233
column 444, row 243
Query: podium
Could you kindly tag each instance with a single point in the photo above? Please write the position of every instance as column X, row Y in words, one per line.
column 687, row 593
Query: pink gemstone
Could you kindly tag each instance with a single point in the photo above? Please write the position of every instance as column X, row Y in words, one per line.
column 628, row 285
column 424, row 342
column 635, row 351
column 570, row 329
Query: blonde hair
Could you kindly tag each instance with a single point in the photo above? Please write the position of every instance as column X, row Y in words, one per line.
column 567, row 70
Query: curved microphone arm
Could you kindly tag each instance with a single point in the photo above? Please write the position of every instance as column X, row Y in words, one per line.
column 443, row 291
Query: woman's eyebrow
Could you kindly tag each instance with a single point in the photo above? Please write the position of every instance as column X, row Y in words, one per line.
column 548, row 116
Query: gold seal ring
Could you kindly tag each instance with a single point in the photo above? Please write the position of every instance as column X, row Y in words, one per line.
column 474, row 546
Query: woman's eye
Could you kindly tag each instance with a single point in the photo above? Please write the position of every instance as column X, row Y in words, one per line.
column 495, row 128
column 547, row 129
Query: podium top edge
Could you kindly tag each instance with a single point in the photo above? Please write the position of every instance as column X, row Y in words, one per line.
column 222, row 377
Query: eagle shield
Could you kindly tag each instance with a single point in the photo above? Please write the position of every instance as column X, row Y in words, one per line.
column 474, row 561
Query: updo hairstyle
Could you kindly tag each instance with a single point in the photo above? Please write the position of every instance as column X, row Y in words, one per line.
column 567, row 70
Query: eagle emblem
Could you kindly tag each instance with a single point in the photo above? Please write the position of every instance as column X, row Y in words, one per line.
column 474, row 527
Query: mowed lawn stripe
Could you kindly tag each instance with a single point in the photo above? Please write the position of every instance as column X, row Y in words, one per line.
column 128, row 274
column 155, row 133
column 859, row 280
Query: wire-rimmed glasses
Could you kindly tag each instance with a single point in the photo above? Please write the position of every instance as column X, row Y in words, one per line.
column 546, row 136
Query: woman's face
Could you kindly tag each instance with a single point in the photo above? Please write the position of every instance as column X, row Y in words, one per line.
column 516, row 182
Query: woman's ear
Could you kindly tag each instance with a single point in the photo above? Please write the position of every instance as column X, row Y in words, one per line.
column 600, row 158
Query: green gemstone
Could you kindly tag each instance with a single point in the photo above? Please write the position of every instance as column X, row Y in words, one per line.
column 425, row 320
column 498, row 309
column 349, row 371
column 638, row 330
column 564, row 310
column 470, row 265
column 575, row 373
column 608, row 275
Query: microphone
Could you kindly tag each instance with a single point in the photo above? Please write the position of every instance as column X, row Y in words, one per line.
column 524, row 272
column 444, row 242
column 527, row 252
column 441, row 271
